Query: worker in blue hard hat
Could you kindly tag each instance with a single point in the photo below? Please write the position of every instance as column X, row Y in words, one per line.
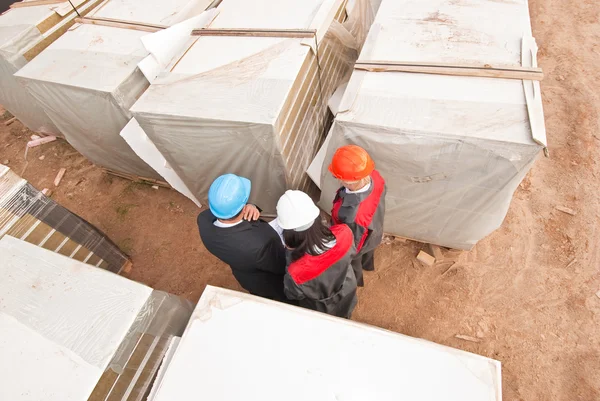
column 232, row 231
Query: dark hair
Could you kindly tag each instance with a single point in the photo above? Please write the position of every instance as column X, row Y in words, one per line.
column 311, row 241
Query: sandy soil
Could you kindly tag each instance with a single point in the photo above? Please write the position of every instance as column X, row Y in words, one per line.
column 527, row 291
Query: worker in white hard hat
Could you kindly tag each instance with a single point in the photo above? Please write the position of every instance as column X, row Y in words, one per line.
column 319, row 273
column 232, row 231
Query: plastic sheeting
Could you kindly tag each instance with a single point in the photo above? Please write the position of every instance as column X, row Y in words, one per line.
column 68, row 329
column 28, row 214
column 23, row 31
column 253, row 106
column 452, row 149
column 88, row 79
column 307, row 355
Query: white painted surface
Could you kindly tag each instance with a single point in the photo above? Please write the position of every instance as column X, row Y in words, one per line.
column 34, row 368
column 240, row 347
column 137, row 139
column 62, row 320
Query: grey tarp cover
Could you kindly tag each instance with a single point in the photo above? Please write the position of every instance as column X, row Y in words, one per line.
column 88, row 79
column 252, row 106
column 66, row 328
column 452, row 149
column 20, row 31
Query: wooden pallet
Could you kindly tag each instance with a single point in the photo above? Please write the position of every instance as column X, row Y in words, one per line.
column 27, row 214
column 137, row 376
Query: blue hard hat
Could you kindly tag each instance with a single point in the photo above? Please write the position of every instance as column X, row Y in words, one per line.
column 228, row 195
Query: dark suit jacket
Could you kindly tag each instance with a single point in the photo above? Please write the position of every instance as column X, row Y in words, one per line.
column 253, row 250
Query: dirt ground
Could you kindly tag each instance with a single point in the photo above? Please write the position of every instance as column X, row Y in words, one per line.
column 527, row 292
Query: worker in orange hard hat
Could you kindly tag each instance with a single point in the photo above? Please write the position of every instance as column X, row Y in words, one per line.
column 359, row 203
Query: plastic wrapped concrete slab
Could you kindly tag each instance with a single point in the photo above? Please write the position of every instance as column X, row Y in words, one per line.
column 452, row 149
column 252, row 106
column 28, row 214
column 235, row 343
column 67, row 327
column 87, row 80
column 24, row 33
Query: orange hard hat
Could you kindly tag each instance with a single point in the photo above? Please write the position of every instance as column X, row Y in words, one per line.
column 351, row 163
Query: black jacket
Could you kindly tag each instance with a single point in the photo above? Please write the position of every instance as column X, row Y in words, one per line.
column 326, row 283
column 253, row 250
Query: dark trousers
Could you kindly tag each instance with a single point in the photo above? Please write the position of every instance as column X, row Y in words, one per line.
column 362, row 262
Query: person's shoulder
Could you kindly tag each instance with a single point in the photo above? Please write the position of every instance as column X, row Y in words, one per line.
column 205, row 218
column 377, row 177
column 341, row 231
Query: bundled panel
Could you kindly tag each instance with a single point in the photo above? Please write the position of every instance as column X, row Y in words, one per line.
column 241, row 347
column 87, row 80
column 254, row 105
column 26, row 29
column 28, row 214
column 72, row 332
column 453, row 149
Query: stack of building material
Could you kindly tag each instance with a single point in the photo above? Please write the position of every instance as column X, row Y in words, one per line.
column 27, row 214
column 26, row 29
column 72, row 332
column 240, row 347
column 453, row 149
column 250, row 95
column 87, row 80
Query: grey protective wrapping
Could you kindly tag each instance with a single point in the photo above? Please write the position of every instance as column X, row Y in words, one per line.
column 253, row 106
column 24, row 32
column 88, row 79
column 451, row 149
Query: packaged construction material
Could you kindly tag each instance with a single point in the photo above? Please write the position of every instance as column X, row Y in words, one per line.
column 28, row 214
column 452, row 149
column 87, row 80
column 240, row 347
column 253, row 103
column 26, row 29
column 73, row 332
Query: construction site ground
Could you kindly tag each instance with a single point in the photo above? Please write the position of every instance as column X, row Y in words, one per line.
column 528, row 295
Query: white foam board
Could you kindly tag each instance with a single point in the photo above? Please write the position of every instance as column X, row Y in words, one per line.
column 241, row 347
column 61, row 322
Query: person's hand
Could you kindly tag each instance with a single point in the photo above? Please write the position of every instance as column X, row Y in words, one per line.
column 250, row 213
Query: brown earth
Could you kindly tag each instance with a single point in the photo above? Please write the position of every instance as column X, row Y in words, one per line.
column 527, row 291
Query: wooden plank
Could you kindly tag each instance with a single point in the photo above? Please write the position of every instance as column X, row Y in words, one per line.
column 126, row 269
column 10, row 121
column 147, row 375
column 104, row 385
column 81, row 254
column 136, row 178
column 467, row 338
column 436, row 251
column 426, row 258
column 522, row 73
column 256, row 33
column 93, row 260
column 54, row 241
column 68, row 248
column 131, row 367
column 452, row 65
column 115, row 23
column 566, row 210
column 34, row 3
column 40, row 232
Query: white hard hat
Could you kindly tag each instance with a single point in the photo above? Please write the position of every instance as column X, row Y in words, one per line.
column 296, row 211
